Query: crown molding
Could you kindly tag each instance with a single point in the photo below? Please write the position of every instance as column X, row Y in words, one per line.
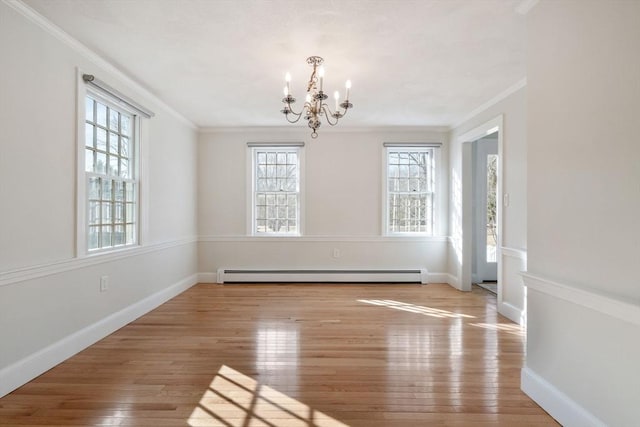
column 87, row 53
column 493, row 101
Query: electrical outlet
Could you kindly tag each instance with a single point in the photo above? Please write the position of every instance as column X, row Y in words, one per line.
column 505, row 199
column 104, row 283
column 336, row 253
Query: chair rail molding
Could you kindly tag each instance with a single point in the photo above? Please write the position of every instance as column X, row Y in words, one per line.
column 610, row 305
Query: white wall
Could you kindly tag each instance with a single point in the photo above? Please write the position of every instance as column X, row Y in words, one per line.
column 514, row 183
column 47, row 294
column 583, row 210
column 342, row 206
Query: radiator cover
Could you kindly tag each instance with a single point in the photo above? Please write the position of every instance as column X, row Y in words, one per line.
column 229, row 275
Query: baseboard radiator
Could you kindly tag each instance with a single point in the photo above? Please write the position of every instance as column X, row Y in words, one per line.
column 310, row 276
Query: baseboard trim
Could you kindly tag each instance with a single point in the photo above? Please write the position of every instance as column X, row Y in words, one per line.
column 23, row 371
column 207, row 278
column 441, row 278
column 511, row 312
column 454, row 282
column 565, row 410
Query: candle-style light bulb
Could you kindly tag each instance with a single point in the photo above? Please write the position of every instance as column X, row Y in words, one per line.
column 308, row 98
column 336, row 95
column 286, row 92
column 321, row 74
column 287, row 78
column 348, row 86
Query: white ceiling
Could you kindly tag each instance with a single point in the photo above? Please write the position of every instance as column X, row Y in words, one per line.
column 222, row 62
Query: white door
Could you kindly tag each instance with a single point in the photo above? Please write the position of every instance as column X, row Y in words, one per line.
column 485, row 220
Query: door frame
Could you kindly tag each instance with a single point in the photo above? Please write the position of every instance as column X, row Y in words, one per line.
column 466, row 140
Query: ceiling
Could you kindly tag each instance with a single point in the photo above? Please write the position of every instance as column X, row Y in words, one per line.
column 222, row 63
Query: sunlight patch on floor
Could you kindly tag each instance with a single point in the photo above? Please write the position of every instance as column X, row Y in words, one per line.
column 412, row 308
column 234, row 399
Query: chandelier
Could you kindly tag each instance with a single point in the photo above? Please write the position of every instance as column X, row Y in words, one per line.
column 314, row 106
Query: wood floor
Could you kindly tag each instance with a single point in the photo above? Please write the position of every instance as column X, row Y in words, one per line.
column 294, row 355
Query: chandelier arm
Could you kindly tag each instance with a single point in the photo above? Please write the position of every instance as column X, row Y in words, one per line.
column 328, row 114
column 297, row 117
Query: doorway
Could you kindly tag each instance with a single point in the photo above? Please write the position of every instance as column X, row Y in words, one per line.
column 484, row 210
column 467, row 247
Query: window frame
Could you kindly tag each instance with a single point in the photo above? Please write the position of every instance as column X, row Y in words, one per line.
column 138, row 136
column 436, row 195
column 253, row 149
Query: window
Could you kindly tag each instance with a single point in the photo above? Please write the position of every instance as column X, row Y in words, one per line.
column 110, row 174
column 410, row 184
column 276, row 190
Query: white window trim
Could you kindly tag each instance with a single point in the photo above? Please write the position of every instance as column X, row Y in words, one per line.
column 438, row 196
column 141, row 153
column 252, row 147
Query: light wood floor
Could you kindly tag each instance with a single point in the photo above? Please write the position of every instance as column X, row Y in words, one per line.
column 295, row 355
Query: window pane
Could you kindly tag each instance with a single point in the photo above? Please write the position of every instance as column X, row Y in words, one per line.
column 492, row 182
column 113, row 143
column 88, row 135
column 118, row 213
column 106, row 189
column 94, row 213
column 93, row 238
column 113, row 165
column 118, row 235
column 125, row 125
column 125, row 148
column 105, row 238
column 290, row 185
column 130, row 232
column 89, row 161
column 101, row 139
column 101, row 111
column 113, row 119
column 94, row 188
column 118, row 190
column 124, row 168
column 107, row 208
column 101, row 163
column 130, row 191
column 130, row 212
